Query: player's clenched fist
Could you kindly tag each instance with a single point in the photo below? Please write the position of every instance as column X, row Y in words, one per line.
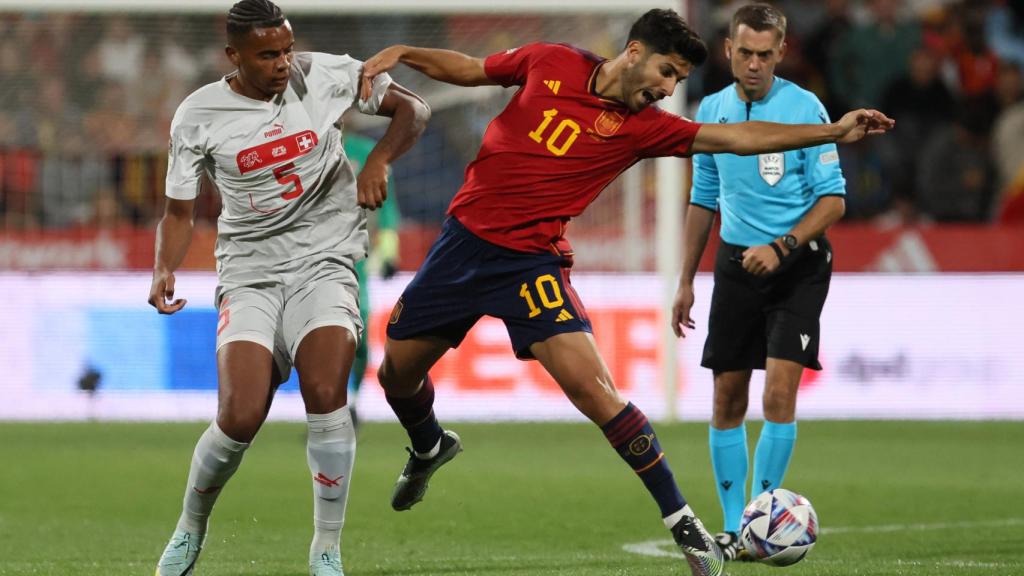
column 372, row 185
column 761, row 260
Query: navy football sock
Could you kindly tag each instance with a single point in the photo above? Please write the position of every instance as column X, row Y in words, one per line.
column 416, row 413
column 633, row 438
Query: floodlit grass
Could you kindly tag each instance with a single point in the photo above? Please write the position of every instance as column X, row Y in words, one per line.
column 915, row 498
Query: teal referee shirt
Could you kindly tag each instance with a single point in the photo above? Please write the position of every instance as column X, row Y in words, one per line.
column 762, row 197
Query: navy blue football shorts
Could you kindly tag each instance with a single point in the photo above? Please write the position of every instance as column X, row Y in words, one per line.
column 465, row 277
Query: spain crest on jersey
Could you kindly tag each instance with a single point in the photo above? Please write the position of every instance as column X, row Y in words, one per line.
column 396, row 312
column 608, row 123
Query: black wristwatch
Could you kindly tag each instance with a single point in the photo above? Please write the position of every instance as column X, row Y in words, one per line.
column 790, row 241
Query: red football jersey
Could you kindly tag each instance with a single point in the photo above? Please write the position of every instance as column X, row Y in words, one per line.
column 554, row 148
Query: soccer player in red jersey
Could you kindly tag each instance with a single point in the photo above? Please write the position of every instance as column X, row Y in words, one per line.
column 575, row 123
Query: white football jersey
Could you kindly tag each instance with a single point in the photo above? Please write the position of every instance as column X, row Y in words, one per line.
column 287, row 189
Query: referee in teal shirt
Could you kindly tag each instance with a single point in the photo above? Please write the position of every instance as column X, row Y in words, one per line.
column 773, row 268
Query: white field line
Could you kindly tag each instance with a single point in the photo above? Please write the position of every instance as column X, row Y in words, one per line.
column 920, row 527
column 655, row 548
column 667, row 548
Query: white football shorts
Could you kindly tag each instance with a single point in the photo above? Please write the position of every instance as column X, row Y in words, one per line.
column 279, row 313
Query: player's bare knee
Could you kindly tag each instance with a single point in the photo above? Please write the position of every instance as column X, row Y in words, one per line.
column 384, row 372
column 241, row 425
column 325, row 400
column 595, row 396
column 396, row 382
column 324, row 393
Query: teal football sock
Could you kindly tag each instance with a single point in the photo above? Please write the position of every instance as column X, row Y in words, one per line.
column 729, row 461
column 771, row 458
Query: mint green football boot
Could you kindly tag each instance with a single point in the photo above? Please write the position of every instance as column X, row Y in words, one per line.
column 180, row 555
column 327, row 564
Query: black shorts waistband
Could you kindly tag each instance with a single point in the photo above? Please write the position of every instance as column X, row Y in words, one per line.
column 815, row 245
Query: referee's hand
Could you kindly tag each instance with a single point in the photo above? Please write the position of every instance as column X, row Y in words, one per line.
column 681, row 309
column 760, row 260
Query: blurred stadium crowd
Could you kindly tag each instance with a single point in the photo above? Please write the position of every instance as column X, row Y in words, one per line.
column 86, row 101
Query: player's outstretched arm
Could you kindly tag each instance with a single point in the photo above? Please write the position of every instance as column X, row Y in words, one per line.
column 173, row 235
column 746, row 138
column 444, row 65
column 409, row 116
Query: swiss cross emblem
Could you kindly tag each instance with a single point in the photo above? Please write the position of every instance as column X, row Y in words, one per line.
column 276, row 152
column 304, row 141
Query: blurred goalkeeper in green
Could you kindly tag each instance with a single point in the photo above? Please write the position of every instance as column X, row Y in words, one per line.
column 383, row 258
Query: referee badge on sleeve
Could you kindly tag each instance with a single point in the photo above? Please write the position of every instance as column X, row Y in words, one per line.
column 771, row 167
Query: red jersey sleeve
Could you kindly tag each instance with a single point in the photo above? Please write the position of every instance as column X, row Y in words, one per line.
column 512, row 66
column 668, row 135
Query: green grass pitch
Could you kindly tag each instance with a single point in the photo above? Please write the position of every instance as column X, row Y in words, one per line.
column 914, row 498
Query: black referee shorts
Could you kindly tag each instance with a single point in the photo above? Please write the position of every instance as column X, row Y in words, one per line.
column 777, row 316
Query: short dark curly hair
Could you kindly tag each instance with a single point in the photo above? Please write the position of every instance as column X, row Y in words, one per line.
column 666, row 32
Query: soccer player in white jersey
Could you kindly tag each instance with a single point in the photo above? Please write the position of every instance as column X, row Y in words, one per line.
column 290, row 232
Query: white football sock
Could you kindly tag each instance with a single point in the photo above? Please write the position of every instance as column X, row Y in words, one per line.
column 433, row 451
column 675, row 517
column 331, row 453
column 214, row 460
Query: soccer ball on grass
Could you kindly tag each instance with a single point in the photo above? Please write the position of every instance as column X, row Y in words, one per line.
column 779, row 527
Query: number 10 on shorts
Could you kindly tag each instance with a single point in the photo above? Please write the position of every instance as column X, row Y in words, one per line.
column 548, row 292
